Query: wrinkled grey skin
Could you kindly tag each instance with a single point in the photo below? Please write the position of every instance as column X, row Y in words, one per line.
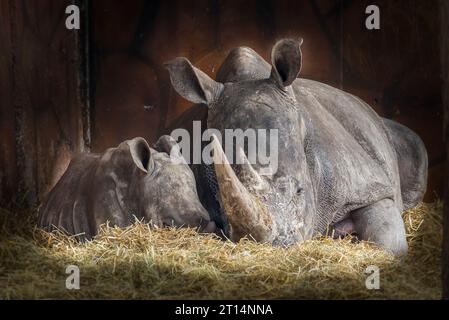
column 127, row 182
column 338, row 160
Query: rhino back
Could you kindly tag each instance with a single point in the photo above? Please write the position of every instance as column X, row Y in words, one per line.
column 349, row 155
column 412, row 161
column 67, row 204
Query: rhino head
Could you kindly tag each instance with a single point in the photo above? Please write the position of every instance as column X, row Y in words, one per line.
column 167, row 188
column 273, row 208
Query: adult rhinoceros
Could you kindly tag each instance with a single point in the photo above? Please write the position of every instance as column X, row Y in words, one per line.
column 340, row 165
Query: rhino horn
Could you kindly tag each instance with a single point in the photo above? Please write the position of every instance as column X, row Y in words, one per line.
column 247, row 216
column 247, row 173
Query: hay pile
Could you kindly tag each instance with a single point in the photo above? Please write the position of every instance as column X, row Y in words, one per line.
column 139, row 263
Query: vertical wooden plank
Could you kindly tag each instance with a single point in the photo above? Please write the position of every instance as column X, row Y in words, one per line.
column 42, row 62
column 85, row 83
column 8, row 172
column 20, row 107
column 444, row 38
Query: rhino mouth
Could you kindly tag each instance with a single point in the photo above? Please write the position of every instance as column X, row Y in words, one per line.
column 247, row 214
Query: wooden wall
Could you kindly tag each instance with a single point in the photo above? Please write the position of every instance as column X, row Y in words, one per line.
column 445, row 64
column 42, row 97
column 66, row 91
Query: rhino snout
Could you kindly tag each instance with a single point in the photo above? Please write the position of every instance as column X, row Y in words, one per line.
column 194, row 219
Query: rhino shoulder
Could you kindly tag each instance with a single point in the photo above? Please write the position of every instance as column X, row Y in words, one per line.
column 345, row 130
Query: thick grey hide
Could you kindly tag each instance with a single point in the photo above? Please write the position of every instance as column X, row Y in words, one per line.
column 340, row 164
column 131, row 181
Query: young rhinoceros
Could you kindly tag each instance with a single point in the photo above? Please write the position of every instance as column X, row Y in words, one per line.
column 129, row 180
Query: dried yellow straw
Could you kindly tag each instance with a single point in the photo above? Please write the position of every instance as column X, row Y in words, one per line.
column 143, row 263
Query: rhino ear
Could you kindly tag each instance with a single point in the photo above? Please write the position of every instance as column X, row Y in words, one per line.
column 141, row 154
column 165, row 144
column 286, row 61
column 192, row 83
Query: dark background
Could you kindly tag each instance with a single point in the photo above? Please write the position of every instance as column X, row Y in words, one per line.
column 65, row 91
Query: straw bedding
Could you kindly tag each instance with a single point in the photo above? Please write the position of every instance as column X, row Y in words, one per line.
column 146, row 263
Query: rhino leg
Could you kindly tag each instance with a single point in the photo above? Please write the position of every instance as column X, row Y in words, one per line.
column 382, row 224
column 342, row 228
column 412, row 162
